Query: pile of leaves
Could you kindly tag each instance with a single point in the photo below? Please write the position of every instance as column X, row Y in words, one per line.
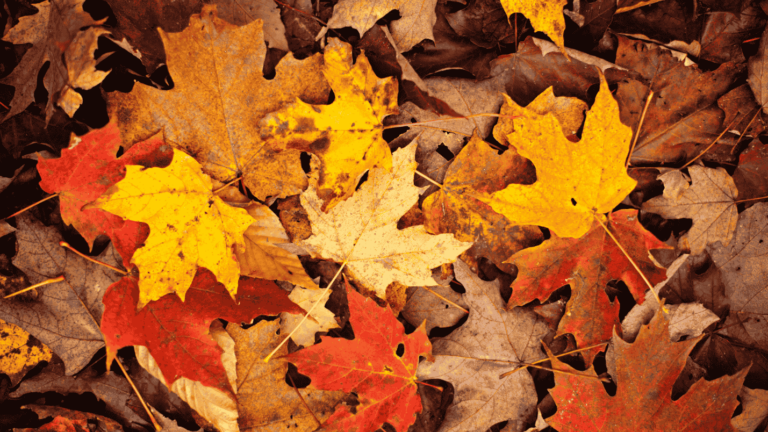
column 437, row 215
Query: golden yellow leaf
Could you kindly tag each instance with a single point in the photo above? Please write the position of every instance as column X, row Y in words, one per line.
column 362, row 231
column 219, row 95
column 265, row 401
column 189, row 226
column 260, row 257
column 546, row 16
column 575, row 181
column 346, row 134
column 19, row 352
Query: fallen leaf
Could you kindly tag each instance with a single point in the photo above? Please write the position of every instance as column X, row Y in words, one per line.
column 685, row 319
column 81, row 68
column 758, row 73
column 484, row 22
column 58, row 317
column 50, row 31
column 215, row 405
column 369, row 365
column 645, row 373
column 751, row 175
column 242, row 12
column 362, row 231
column 324, row 319
column 567, row 200
column 588, row 264
column 744, row 272
column 86, row 170
column 208, row 115
column 19, row 352
column 754, row 405
column 265, row 399
column 723, row 34
column 454, row 209
column 182, row 213
column 176, row 332
column 69, row 420
column 431, row 307
column 545, row 16
column 29, row 126
column 345, row 135
column 491, row 342
column 262, row 257
column 708, row 200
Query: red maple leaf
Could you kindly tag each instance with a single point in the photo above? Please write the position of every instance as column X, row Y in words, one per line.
column 588, row 264
column 176, row 332
column 370, row 366
column 646, row 370
column 86, row 170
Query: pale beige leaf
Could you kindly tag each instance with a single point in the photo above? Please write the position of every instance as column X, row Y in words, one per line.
column 423, row 304
column 754, row 404
column 708, row 200
column 324, row 319
column 261, row 257
column 362, row 231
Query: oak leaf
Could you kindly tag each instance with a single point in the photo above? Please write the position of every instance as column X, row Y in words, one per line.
column 645, row 373
column 362, row 231
column 588, row 264
column 708, row 200
column 324, row 319
column 262, row 257
column 208, row 114
column 189, row 226
column 545, row 16
column 369, row 365
column 345, row 135
column 472, row 357
column 50, row 31
column 176, row 333
column 19, row 352
column 576, row 182
column 86, row 170
column 58, row 317
column 266, row 401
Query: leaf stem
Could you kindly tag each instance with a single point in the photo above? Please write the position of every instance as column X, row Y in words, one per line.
column 429, row 385
column 424, row 176
column 319, row 299
column 66, row 245
column 639, row 125
column 450, row 119
column 727, row 128
column 30, row 206
column 748, row 125
column 605, row 380
column 226, row 185
column 293, row 384
column 525, row 365
column 141, row 399
column 37, row 285
column 645, row 279
column 446, row 300
column 750, row 199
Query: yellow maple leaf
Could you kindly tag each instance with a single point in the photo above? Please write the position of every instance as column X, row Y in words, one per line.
column 575, row 181
column 546, row 16
column 218, row 97
column 19, row 352
column 189, row 226
column 362, row 231
column 345, row 135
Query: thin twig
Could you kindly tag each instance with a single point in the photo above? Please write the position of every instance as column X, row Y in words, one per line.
column 37, row 285
column 446, row 300
column 525, row 365
column 424, row 176
column 727, row 128
column 451, row 119
column 30, row 206
column 746, row 129
column 325, row 290
column 141, row 399
column 293, row 384
column 639, row 125
column 66, row 245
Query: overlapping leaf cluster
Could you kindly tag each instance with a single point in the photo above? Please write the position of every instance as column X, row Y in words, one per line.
column 524, row 215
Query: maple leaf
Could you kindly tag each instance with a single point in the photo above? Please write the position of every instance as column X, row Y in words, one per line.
column 176, row 332
column 576, row 182
column 369, row 365
column 81, row 69
column 708, row 200
column 19, row 352
column 59, row 318
column 588, row 264
column 209, row 115
column 325, row 320
column 345, row 135
column 362, row 231
column 479, row 168
column 189, row 226
column 432, row 308
column 645, row 373
column 265, row 399
column 261, row 257
column 473, row 356
column 86, row 170
column 545, row 16
column 414, row 25
column 50, row 31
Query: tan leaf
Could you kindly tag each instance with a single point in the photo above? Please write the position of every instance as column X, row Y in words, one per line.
column 362, row 231
column 241, row 12
column 81, row 68
column 324, row 319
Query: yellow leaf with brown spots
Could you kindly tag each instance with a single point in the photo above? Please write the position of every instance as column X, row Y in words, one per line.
column 345, row 135
column 546, row 16
column 218, row 98
column 19, row 352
